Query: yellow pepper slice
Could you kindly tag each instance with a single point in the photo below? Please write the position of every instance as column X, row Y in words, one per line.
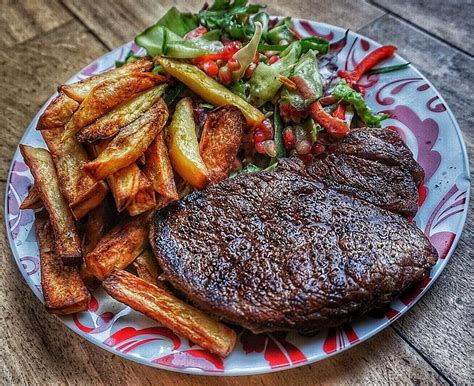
column 209, row 89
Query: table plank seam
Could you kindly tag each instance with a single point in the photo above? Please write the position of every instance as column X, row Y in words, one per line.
column 86, row 25
column 420, row 353
column 418, row 27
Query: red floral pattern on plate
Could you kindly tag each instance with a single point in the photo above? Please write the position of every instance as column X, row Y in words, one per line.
column 424, row 121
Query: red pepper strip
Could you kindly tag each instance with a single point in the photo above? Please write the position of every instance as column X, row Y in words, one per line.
column 367, row 63
column 229, row 50
column 340, row 111
column 223, row 55
column 334, row 126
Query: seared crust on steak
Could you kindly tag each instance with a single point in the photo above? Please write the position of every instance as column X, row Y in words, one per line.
column 382, row 145
column 279, row 250
column 388, row 187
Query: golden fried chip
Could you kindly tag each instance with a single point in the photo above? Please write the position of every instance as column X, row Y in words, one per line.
column 63, row 290
column 32, row 200
column 158, row 168
column 173, row 313
column 68, row 244
column 110, row 124
column 79, row 90
column 119, row 247
column 98, row 223
column 81, row 191
column 145, row 199
column 130, row 143
column 58, row 112
column 147, row 267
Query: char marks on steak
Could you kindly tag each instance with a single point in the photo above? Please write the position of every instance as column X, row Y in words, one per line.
column 374, row 165
column 388, row 187
column 280, row 250
column 381, row 145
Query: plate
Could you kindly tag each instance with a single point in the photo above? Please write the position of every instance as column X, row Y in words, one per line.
column 418, row 113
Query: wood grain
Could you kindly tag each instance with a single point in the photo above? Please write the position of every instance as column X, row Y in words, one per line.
column 118, row 22
column 449, row 20
column 30, row 75
column 440, row 325
column 37, row 348
column 21, row 20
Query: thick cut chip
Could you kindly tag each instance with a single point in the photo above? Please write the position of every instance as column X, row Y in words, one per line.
column 110, row 124
column 119, row 247
column 220, row 141
column 99, row 222
column 158, row 168
column 63, row 290
column 79, row 90
column 147, row 267
column 130, row 143
column 145, row 199
column 173, row 313
column 68, row 244
column 111, row 93
column 58, row 112
column 81, row 191
column 125, row 185
column 32, row 200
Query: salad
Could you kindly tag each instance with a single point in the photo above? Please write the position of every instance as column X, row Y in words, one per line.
column 287, row 86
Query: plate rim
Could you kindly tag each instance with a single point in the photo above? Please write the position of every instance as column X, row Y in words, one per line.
column 258, row 370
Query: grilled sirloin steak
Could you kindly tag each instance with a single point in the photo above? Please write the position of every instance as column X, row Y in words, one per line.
column 389, row 187
column 279, row 250
column 382, row 145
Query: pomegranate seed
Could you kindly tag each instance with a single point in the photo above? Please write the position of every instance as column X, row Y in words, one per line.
column 318, row 149
column 225, row 75
column 270, row 148
column 273, row 59
column 256, row 58
column 232, row 47
column 250, row 69
column 289, row 137
column 303, row 147
column 259, row 136
column 267, row 128
column 220, row 62
column 233, row 64
column 260, row 148
column 210, row 68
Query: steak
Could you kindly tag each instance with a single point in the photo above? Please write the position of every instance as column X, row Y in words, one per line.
column 280, row 250
column 382, row 145
column 389, row 187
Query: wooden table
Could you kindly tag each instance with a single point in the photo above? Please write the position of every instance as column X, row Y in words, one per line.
column 44, row 42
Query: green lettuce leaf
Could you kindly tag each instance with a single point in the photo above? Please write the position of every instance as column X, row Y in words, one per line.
column 178, row 22
column 246, row 54
column 306, row 69
column 356, row 99
column 264, row 82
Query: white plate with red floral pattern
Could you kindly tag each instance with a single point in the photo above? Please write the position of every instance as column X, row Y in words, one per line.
column 418, row 113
